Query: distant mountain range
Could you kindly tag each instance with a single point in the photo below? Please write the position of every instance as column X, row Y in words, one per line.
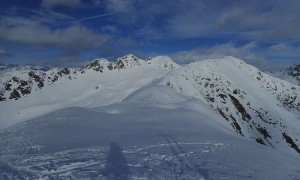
column 291, row 74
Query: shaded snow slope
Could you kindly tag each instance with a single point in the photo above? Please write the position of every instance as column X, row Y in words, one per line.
column 139, row 142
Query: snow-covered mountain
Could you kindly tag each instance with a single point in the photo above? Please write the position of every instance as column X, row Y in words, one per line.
column 97, row 84
column 7, row 66
column 258, row 106
column 18, row 82
column 224, row 106
column 291, row 74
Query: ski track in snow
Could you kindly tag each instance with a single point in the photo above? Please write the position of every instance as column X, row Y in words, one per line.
column 170, row 160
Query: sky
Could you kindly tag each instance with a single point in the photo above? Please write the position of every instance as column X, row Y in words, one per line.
column 73, row 32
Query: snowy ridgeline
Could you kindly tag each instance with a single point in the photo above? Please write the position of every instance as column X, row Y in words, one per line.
column 153, row 119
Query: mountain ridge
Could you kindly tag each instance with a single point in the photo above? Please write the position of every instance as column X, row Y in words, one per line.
column 17, row 82
column 256, row 105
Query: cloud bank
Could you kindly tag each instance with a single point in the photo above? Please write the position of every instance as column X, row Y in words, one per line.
column 256, row 31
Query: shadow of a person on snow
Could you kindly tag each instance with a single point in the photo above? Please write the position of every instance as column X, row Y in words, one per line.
column 116, row 165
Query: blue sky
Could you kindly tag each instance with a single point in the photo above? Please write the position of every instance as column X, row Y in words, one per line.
column 73, row 32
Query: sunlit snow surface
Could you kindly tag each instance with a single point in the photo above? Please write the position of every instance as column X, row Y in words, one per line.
column 144, row 142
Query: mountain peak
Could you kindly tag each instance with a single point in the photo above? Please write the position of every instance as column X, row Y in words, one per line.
column 228, row 59
column 127, row 61
column 128, row 57
column 97, row 64
column 294, row 71
column 162, row 62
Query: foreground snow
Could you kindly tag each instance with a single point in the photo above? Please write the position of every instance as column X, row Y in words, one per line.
column 136, row 141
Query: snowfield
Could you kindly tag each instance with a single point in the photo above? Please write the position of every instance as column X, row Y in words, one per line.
column 139, row 142
column 153, row 119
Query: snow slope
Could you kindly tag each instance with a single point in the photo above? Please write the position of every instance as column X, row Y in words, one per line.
column 258, row 106
column 141, row 141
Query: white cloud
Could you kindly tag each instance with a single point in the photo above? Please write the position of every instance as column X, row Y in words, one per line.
column 126, row 41
column 110, row 29
column 285, row 52
column 31, row 32
column 128, row 13
column 275, row 57
column 285, row 48
column 253, row 20
column 48, row 4
column 244, row 52
column 3, row 52
column 118, row 5
column 97, row 2
column 217, row 51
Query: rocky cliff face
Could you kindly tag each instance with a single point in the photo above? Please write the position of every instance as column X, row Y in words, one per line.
column 294, row 72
